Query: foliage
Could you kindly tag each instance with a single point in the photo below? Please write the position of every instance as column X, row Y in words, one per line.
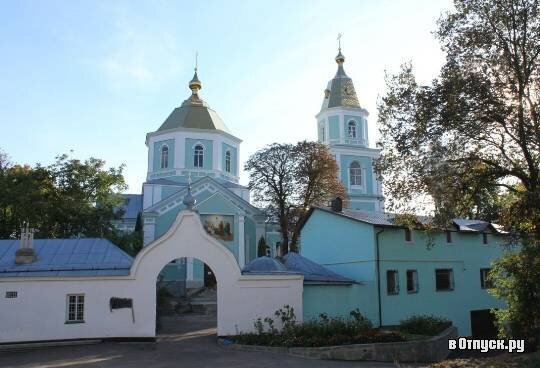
column 504, row 360
column 262, row 248
column 424, row 325
column 515, row 279
column 289, row 179
column 468, row 144
column 323, row 331
column 69, row 198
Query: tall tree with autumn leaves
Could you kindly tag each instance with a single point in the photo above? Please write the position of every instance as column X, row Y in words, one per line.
column 288, row 179
column 470, row 140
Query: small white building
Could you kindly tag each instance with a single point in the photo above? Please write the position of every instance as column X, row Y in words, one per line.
column 59, row 289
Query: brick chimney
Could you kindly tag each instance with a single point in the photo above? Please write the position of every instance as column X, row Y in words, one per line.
column 26, row 253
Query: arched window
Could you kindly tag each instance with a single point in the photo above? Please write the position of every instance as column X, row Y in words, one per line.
column 355, row 174
column 164, row 157
column 228, row 161
column 352, row 129
column 198, row 156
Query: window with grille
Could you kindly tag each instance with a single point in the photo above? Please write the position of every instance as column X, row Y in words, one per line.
column 75, row 308
column 355, row 174
column 412, row 281
column 198, row 156
column 392, row 282
column 352, row 129
column 11, row 294
column 444, row 279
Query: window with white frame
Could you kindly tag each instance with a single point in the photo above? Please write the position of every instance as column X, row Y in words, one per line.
column 444, row 279
column 228, row 161
column 198, row 156
column 392, row 282
column 412, row 281
column 355, row 174
column 164, row 157
column 351, row 129
column 75, row 308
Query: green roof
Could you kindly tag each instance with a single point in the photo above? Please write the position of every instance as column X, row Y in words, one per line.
column 194, row 113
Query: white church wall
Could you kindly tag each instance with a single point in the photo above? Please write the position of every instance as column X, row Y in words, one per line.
column 39, row 311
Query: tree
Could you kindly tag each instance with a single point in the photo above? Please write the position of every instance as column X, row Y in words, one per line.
column 469, row 142
column 288, row 179
column 262, row 248
column 66, row 199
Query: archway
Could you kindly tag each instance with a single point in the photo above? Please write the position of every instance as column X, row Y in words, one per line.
column 240, row 298
column 186, row 300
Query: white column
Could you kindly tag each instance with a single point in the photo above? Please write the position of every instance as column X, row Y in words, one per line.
column 341, row 128
column 148, row 232
column 241, row 242
column 189, row 270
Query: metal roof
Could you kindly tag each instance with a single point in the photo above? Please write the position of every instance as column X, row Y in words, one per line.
column 294, row 263
column 388, row 220
column 340, row 90
column 313, row 272
column 66, row 257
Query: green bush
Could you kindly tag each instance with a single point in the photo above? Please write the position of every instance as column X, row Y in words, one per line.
column 323, row 331
column 424, row 325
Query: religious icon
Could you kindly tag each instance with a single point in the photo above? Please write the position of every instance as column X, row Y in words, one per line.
column 219, row 226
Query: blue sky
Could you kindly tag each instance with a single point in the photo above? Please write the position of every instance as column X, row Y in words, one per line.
column 95, row 76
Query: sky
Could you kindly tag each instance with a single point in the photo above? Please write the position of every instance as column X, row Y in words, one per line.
column 93, row 77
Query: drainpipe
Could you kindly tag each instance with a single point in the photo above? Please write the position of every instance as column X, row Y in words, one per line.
column 379, row 275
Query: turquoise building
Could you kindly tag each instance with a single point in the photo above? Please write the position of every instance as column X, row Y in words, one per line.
column 398, row 275
column 343, row 125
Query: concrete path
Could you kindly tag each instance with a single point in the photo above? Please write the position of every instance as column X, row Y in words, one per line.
column 185, row 342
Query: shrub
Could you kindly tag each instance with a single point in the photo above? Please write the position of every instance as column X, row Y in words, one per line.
column 324, row 331
column 424, row 325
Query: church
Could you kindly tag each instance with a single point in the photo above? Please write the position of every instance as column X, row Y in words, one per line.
column 194, row 145
column 199, row 226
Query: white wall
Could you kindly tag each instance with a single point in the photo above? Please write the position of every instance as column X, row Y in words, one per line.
column 39, row 312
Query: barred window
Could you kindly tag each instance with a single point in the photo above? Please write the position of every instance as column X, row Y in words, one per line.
column 75, row 308
column 352, row 129
column 485, row 281
column 412, row 281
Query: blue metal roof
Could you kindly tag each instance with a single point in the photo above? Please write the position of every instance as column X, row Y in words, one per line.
column 313, row 272
column 264, row 265
column 294, row 263
column 66, row 257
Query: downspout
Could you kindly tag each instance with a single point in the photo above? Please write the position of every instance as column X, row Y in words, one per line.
column 378, row 275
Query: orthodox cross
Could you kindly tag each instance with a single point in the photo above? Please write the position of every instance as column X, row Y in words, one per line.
column 339, row 40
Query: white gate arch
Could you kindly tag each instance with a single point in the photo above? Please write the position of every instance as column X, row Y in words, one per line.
column 240, row 298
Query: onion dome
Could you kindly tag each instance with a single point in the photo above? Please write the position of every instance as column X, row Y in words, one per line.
column 340, row 90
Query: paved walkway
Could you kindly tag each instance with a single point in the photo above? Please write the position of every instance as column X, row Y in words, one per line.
column 187, row 341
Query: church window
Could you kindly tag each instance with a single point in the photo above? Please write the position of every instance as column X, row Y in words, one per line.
column 164, row 157
column 75, row 308
column 228, row 161
column 355, row 174
column 352, row 129
column 198, row 156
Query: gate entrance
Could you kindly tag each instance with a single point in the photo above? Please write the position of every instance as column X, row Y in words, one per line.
column 483, row 324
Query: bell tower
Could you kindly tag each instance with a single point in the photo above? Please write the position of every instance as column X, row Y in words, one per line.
column 342, row 124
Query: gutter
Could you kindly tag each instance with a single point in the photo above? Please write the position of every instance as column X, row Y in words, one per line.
column 378, row 275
